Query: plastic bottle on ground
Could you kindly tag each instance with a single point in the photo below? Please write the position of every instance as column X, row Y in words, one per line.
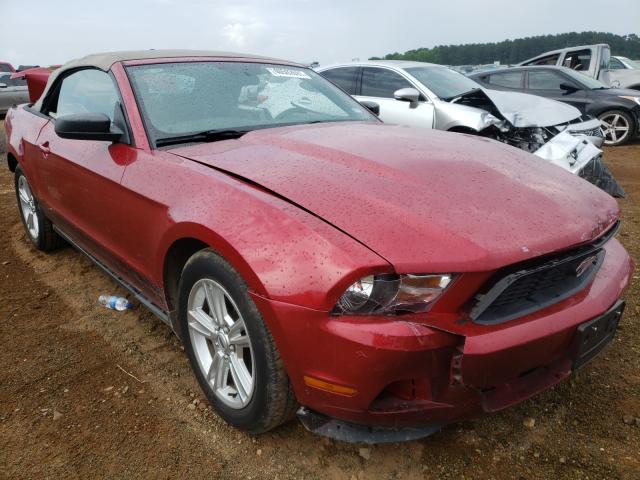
column 115, row 303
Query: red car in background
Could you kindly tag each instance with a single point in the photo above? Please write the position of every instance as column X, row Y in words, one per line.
column 379, row 280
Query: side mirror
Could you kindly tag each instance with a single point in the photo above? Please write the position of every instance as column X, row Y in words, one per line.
column 373, row 107
column 3, row 85
column 567, row 87
column 410, row 95
column 87, row 126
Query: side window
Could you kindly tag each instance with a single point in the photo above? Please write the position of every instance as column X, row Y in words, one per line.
column 381, row 83
column 344, row 77
column 579, row 60
column 506, row 79
column 86, row 91
column 548, row 60
column 615, row 64
column 545, row 80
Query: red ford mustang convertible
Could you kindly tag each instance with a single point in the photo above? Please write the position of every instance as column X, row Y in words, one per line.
column 379, row 280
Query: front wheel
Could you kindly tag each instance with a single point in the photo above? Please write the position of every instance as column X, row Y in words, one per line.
column 618, row 127
column 38, row 227
column 230, row 348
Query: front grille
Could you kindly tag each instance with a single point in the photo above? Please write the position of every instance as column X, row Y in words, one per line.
column 531, row 286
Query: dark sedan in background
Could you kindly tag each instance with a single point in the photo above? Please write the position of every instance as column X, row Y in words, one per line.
column 618, row 109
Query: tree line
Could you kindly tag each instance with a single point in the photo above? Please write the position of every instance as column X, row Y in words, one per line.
column 515, row 51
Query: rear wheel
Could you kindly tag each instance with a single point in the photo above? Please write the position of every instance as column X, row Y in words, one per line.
column 618, row 127
column 230, row 348
column 39, row 229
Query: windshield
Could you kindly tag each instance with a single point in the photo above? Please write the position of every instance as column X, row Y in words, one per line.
column 443, row 81
column 179, row 99
column 590, row 83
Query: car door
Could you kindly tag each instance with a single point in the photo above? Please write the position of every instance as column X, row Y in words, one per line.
column 79, row 180
column 378, row 85
column 546, row 83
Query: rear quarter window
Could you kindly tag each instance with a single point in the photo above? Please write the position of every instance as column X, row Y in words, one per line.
column 344, row 77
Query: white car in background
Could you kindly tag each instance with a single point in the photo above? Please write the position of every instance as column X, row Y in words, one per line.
column 622, row 63
column 434, row 96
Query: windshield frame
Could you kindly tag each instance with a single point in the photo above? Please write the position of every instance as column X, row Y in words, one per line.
column 151, row 130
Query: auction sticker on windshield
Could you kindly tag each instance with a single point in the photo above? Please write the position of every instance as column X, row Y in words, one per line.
column 286, row 72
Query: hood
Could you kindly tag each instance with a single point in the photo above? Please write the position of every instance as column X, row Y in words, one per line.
column 424, row 200
column 524, row 110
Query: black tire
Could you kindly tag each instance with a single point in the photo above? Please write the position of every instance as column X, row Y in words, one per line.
column 624, row 118
column 46, row 238
column 273, row 401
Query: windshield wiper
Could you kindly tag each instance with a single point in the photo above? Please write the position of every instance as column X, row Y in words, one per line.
column 205, row 136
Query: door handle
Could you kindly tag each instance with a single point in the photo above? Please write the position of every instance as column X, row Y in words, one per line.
column 44, row 148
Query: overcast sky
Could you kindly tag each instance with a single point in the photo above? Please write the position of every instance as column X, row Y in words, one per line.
column 53, row 31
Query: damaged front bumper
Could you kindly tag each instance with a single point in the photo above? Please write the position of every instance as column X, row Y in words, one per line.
column 406, row 377
column 567, row 151
column 591, row 129
column 550, row 130
column 578, row 155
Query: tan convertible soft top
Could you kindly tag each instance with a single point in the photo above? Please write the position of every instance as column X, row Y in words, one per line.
column 104, row 61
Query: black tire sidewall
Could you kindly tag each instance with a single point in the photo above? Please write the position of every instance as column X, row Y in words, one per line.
column 207, row 264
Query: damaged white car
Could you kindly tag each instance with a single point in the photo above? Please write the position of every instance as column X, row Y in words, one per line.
column 434, row 96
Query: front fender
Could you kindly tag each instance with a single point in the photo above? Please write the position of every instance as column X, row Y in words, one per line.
column 283, row 253
column 450, row 115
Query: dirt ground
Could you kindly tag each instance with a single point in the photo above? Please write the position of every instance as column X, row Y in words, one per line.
column 89, row 393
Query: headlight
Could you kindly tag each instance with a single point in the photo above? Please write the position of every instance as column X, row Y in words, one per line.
column 392, row 294
column 633, row 99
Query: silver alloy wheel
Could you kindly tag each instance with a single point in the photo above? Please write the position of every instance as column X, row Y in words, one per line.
column 221, row 343
column 28, row 207
column 616, row 128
